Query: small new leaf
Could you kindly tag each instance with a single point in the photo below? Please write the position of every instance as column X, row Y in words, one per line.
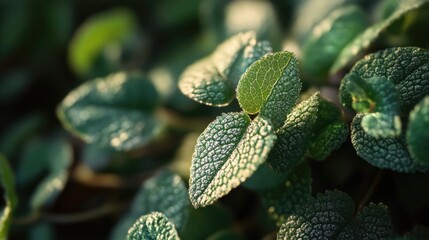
column 418, row 132
column 153, row 226
column 378, row 98
column 10, row 197
column 315, row 126
column 227, row 153
column 364, row 40
column 270, row 86
column 115, row 111
column 212, row 80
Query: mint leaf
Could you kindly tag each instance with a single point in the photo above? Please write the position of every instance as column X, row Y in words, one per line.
column 152, row 226
column 322, row 217
column 107, row 29
column 212, row 80
column 166, row 193
column 228, row 152
column 115, row 111
column 329, row 37
column 283, row 199
column 391, row 153
column 10, row 198
column 314, row 126
column 57, row 158
column 270, row 86
column 363, row 40
column 417, row 132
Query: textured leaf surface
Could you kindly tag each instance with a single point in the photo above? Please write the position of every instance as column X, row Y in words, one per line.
column 418, row 132
column 271, row 86
column 110, row 27
column 329, row 37
column 153, row 226
column 212, row 80
column 57, row 158
column 321, row 218
column 372, row 223
column 115, row 111
column 10, row 198
column 315, row 126
column 227, row 153
column 391, row 153
column 363, row 40
column 284, row 199
column 166, row 193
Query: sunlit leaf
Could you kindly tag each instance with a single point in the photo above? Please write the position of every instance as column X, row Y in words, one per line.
column 152, row 226
column 227, row 153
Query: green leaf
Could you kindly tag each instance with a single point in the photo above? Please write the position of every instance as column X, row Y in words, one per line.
column 212, row 80
column 115, row 111
column 320, row 218
column 109, row 28
column 284, row 199
column 166, row 193
column 270, row 86
column 314, row 126
column 363, row 40
column 56, row 157
column 227, row 153
column 10, row 198
column 378, row 98
column 152, row 226
column 391, row 153
column 417, row 132
column 372, row 223
column 329, row 37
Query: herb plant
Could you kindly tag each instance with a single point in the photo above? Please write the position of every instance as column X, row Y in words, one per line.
column 265, row 126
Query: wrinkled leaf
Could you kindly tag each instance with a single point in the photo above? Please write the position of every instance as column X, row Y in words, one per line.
column 270, row 86
column 320, row 218
column 315, row 126
column 417, row 132
column 115, row 111
column 10, row 198
column 372, row 223
column 391, row 153
column 153, row 226
column 56, row 158
column 212, row 80
column 364, row 40
column 227, row 153
column 329, row 37
column 105, row 29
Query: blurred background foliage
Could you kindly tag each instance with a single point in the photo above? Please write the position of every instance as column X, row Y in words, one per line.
column 49, row 47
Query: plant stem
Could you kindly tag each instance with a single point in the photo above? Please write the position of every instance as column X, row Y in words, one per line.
column 370, row 190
